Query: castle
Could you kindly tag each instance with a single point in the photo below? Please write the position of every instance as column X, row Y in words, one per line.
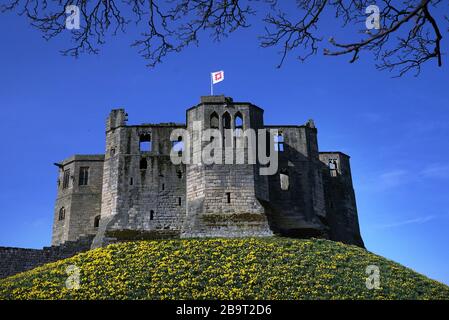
column 135, row 191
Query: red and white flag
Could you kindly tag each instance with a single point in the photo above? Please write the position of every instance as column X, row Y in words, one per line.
column 217, row 77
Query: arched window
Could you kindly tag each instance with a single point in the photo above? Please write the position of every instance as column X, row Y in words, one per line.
column 61, row 215
column 238, row 122
column 145, row 142
column 285, row 179
column 143, row 164
column 97, row 222
column 226, row 125
column 214, row 120
column 226, row 121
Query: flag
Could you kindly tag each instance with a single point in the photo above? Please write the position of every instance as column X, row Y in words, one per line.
column 217, row 77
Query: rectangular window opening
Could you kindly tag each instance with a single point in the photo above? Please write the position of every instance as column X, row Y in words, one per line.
column 65, row 181
column 228, row 197
column 279, row 142
column 145, row 146
column 84, row 176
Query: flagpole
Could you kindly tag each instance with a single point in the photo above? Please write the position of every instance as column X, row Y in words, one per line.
column 211, row 86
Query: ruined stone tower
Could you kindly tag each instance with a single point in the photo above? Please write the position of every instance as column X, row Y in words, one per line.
column 78, row 202
column 224, row 200
column 136, row 191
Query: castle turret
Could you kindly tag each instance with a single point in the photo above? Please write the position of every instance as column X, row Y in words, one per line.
column 224, row 200
column 78, row 203
column 297, row 203
column 340, row 198
column 143, row 191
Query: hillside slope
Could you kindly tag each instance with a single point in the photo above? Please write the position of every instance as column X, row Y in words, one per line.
column 269, row 268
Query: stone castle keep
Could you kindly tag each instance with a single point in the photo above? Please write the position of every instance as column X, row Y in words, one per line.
column 135, row 191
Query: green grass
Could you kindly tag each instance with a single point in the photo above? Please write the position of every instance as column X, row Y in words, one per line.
column 267, row 268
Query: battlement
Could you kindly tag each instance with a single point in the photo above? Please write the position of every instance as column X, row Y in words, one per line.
column 163, row 124
column 216, row 99
column 81, row 157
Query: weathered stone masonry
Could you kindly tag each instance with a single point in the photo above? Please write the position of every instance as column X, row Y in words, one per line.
column 134, row 191
column 15, row 260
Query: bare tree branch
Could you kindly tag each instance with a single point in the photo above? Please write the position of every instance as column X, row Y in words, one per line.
column 410, row 33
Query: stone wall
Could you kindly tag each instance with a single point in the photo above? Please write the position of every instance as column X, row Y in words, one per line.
column 142, row 194
column 296, row 209
column 143, row 191
column 16, row 260
column 81, row 203
column 223, row 200
column 339, row 193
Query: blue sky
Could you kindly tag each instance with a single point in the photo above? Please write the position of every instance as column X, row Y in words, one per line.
column 396, row 130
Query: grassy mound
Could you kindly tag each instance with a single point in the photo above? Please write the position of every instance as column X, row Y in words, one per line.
column 269, row 268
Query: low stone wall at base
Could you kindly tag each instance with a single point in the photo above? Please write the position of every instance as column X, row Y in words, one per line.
column 16, row 260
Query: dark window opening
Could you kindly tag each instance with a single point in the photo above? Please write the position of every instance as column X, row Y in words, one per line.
column 279, row 142
column 179, row 201
column 226, row 121
column 97, row 222
column 163, row 186
column 65, row 181
column 145, row 143
column 214, row 122
column 61, row 215
column 226, row 125
column 268, row 142
column 143, row 164
column 228, row 197
column 284, row 179
column 151, row 214
column 84, row 176
column 131, row 181
column 112, row 152
column 179, row 174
